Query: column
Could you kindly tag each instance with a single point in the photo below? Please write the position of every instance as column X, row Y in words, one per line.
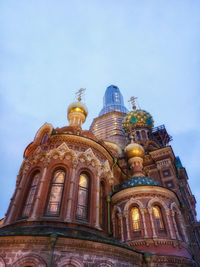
column 182, row 227
column 121, row 225
column 169, row 225
column 152, row 223
column 143, row 211
column 97, row 202
column 126, row 214
column 38, row 196
column 175, row 226
column 72, row 182
column 16, row 199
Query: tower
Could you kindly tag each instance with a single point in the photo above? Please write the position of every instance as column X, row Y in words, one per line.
column 83, row 201
column 108, row 125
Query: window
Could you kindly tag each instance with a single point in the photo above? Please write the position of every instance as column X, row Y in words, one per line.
column 44, row 139
column 55, row 196
column 169, row 184
column 31, row 196
column 143, row 133
column 82, row 204
column 158, row 217
column 135, row 216
column 166, row 173
column 138, row 136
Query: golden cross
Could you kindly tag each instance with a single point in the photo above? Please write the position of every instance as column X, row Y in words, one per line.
column 132, row 101
column 80, row 93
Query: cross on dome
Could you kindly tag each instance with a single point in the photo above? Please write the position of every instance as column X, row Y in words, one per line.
column 80, row 93
column 132, row 101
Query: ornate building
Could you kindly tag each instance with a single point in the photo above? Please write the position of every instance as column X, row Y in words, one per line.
column 114, row 195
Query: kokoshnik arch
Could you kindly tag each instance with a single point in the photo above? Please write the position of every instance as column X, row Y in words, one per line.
column 113, row 195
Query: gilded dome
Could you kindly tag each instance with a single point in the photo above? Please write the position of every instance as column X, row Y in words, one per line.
column 135, row 118
column 77, row 107
column 134, row 150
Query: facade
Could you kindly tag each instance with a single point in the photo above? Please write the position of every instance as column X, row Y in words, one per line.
column 117, row 198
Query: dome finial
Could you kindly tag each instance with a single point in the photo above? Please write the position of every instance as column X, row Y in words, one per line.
column 80, row 93
column 132, row 101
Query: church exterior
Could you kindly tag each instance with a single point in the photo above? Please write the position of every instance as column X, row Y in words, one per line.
column 111, row 196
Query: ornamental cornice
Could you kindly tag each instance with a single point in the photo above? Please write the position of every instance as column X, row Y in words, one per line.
column 156, row 242
column 63, row 152
column 81, row 140
column 144, row 191
column 163, row 152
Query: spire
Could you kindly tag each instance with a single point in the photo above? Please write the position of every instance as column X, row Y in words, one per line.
column 113, row 101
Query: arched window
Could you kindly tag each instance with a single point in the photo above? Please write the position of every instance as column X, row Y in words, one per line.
column 158, row 217
column 102, row 208
column 82, row 204
column 31, row 196
column 143, row 133
column 44, row 138
column 135, row 216
column 138, row 136
column 56, row 191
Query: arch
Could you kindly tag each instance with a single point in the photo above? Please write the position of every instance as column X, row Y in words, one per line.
column 56, row 192
column 46, row 128
column 159, row 201
column 30, row 197
column 65, row 262
column 30, row 260
column 132, row 202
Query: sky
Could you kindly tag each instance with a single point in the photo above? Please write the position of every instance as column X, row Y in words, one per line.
column 49, row 49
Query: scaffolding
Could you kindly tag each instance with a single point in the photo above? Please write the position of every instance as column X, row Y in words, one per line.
column 160, row 135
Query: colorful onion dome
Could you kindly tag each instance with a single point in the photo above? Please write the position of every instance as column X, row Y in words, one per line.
column 135, row 118
column 138, row 181
column 134, row 150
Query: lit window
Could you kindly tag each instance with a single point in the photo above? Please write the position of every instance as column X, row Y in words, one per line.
column 135, row 216
column 158, row 217
column 31, row 196
column 82, row 204
column 54, row 203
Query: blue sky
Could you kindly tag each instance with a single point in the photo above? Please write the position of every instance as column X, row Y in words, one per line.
column 50, row 49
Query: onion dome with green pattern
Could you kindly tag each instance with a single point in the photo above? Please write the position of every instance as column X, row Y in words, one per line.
column 138, row 181
column 137, row 118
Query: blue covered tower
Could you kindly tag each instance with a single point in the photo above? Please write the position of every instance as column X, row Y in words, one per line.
column 113, row 101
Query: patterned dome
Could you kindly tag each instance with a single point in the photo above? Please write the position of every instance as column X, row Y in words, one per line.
column 139, row 118
column 138, row 181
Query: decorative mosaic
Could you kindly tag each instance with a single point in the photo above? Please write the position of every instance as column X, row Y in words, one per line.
column 138, row 181
column 137, row 117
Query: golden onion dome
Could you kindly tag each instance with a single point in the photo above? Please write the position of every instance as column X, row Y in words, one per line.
column 77, row 107
column 134, row 150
